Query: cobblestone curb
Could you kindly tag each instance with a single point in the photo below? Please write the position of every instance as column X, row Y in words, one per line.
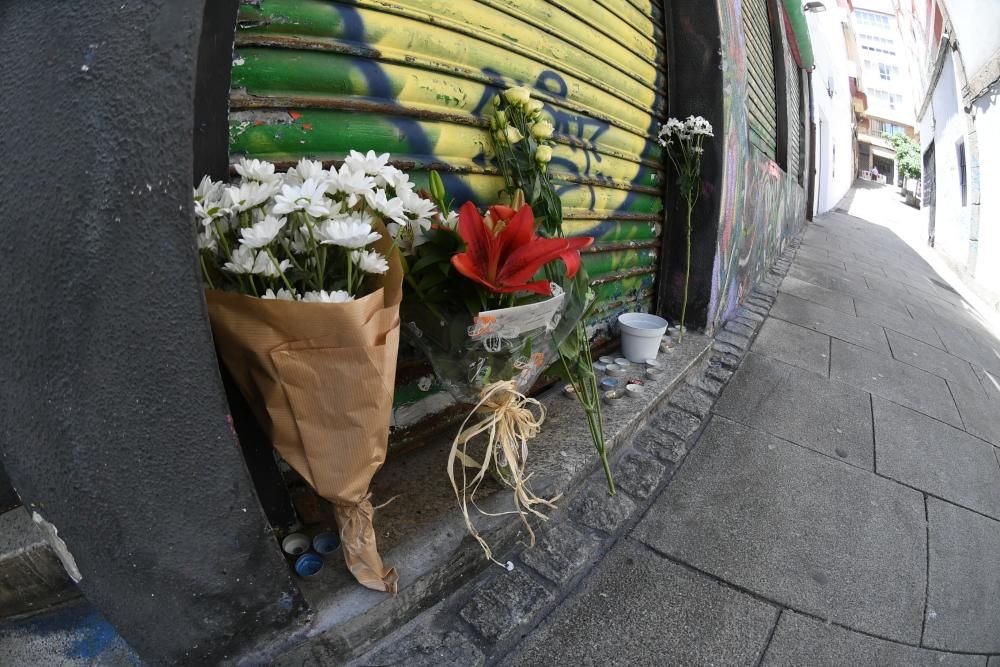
column 492, row 612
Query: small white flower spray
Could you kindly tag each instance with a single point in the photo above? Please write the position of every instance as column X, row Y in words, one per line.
column 683, row 141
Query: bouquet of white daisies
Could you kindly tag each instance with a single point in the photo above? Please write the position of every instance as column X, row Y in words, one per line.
column 304, row 283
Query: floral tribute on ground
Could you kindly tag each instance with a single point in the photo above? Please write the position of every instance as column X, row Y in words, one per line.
column 496, row 299
column 684, row 143
column 304, row 287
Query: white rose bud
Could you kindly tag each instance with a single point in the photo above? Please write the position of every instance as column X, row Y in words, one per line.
column 543, row 154
column 534, row 107
column 518, row 95
column 512, row 134
column 542, row 130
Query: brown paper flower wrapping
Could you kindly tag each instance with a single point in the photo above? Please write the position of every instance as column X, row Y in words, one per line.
column 320, row 378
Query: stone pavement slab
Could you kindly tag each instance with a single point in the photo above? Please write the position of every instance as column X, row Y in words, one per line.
column 638, row 608
column 829, row 417
column 963, row 605
column 800, row 640
column 809, row 532
column 961, row 342
column 831, row 322
column 855, row 287
column 898, row 320
column 901, row 383
column 934, row 457
column 931, row 359
column 980, row 411
column 794, row 345
column 990, row 382
column 821, row 295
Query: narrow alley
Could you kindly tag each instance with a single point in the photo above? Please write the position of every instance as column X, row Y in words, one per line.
column 840, row 506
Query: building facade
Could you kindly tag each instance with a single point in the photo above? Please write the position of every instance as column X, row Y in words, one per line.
column 955, row 66
column 886, row 82
column 837, row 103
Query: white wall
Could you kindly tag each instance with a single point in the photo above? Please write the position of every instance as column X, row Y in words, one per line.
column 834, row 149
column 987, row 110
column 977, row 27
column 951, row 218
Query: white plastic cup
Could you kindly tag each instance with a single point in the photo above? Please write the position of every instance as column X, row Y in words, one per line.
column 641, row 334
column 296, row 544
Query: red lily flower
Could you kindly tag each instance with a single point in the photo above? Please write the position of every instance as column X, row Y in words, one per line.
column 506, row 253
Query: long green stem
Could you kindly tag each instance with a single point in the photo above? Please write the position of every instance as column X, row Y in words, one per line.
column 350, row 266
column 277, row 266
column 687, row 271
column 204, row 271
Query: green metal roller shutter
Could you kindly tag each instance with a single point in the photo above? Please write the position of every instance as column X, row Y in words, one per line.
column 411, row 77
column 316, row 78
column 761, row 107
column 794, row 119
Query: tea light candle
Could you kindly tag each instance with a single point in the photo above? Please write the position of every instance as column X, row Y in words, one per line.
column 615, row 370
column 609, row 383
column 612, row 396
column 653, row 363
column 623, row 362
column 634, row 390
column 654, row 373
column 569, row 391
column 606, row 360
column 600, row 367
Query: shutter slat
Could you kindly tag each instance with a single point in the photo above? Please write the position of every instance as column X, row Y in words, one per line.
column 762, row 111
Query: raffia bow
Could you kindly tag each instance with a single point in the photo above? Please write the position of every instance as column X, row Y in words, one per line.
column 509, row 423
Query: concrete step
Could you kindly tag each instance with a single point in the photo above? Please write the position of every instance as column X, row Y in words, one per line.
column 32, row 577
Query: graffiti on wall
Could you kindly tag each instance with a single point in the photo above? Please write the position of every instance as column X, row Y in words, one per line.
column 317, row 78
column 761, row 205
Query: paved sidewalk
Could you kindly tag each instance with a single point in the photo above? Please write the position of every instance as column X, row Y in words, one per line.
column 842, row 507
column 840, row 504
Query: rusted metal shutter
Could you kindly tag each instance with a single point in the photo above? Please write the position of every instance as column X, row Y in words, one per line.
column 412, row 77
column 794, row 121
column 761, row 106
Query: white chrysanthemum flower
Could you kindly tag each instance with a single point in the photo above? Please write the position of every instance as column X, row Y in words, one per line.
column 346, row 234
column 417, row 206
column 389, row 208
column 261, row 171
column 207, row 240
column 355, row 184
column 305, row 170
column 243, row 261
column 262, row 233
column 451, row 220
column 264, row 265
column 208, row 190
column 698, row 149
column 369, row 163
column 281, row 295
column 322, row 296
column 248, row 195
column 209, row 210
column 370, row 261
column 309, row 197
column 390, row 177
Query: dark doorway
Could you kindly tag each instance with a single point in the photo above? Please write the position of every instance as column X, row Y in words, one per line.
column 884, row 166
